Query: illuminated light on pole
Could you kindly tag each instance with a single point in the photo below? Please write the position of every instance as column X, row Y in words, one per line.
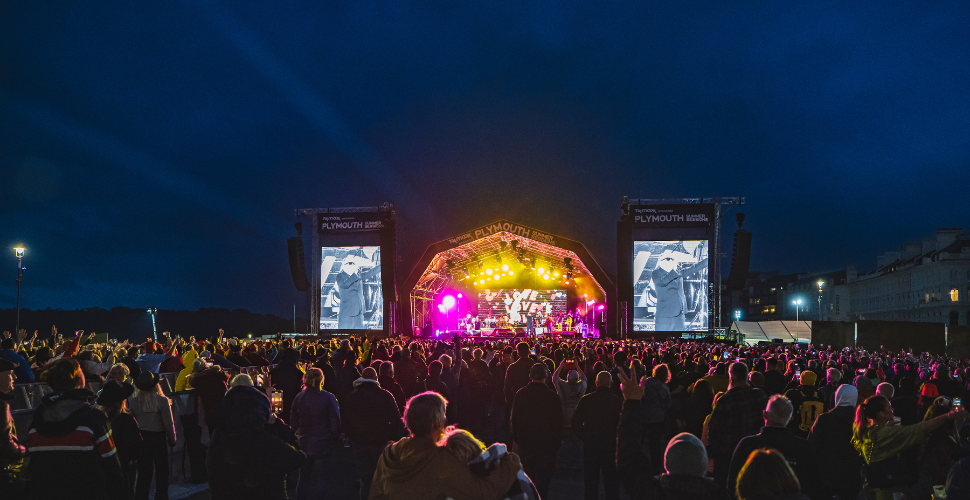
column 19, row 252
column 820, row 284
column 798, row 303
column 737, row 315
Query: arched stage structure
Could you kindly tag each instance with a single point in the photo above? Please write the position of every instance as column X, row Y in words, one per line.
column 507, row 269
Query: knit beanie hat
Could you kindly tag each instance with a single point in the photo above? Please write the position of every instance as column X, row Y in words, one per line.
column 807, row 378
column 846, row 395
column 685, row 456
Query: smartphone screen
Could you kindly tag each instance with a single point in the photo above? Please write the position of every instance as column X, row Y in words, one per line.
column 532, row 351
column 727, row 355
column 798, row 373
column 740, row 359
column 956, row 403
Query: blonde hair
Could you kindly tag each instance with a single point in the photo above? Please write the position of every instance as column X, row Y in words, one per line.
column 462, row 444
column 148, row 400
column 241, row 379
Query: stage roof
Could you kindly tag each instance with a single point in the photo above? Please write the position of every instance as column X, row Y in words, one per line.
column 787, row 331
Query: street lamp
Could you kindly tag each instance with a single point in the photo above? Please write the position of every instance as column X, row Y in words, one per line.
column 798, row 304
column 820, row 284
column 20, row 278
column 153, row 311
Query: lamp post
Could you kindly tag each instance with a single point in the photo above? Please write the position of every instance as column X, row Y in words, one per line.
column 820, row 284
column 798, row 304
column 153, row 311
column 737, row 315
column 20, row 278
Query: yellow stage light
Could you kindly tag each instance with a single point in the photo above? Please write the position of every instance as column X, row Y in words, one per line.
column 555, row 273
column 541, row 270
column 489, row 271
column 505, row 267
column 545, row 277
column 497, row 277
column 511, row 273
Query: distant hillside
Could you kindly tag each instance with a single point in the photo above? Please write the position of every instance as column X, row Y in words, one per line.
column 136, row 324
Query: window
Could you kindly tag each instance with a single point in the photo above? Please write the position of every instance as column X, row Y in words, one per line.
column 954, row 295
column 768, row 310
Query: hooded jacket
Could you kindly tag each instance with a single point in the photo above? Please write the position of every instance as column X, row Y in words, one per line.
column 831, row 437
column 71, row 441
column 183, row 383
column 415, row 468
column 370, row 415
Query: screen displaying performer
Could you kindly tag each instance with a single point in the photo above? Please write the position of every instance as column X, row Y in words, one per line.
column 350, row 290
column 515, row 306
column 670, row 286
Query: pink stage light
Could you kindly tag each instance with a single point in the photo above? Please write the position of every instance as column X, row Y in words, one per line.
column 601, row 307
column 459, row 295
column 448, row 302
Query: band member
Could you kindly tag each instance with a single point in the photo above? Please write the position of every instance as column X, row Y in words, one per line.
column 668, row 282
column 350, row 282
column 569, row 322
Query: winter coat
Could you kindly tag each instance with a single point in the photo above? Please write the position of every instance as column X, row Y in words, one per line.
column 831, row 438
column 71, row 450
column 656, row 401
column 797, row 451
column 595, row 421
column 210, row 387
column 537, row 424
column 288, row 377
column 370, row 415
column 632, row 466
column 182, row 382
column 516, row 377
column 316, row 419
column 390, row 385
column 415, row 468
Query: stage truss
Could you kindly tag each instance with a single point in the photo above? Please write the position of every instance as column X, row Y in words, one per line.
column 456, row 261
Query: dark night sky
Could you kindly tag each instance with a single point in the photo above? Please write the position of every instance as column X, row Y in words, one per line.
column 152, row 154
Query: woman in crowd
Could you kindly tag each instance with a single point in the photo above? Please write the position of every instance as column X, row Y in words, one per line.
column 695, row 409
column 767, row 476
column 120, row 374
column 124, row 428
column 153, row 411
column 315, row 417
column 880, row 444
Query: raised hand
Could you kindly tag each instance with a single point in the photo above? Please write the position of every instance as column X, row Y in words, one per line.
column 631, row 388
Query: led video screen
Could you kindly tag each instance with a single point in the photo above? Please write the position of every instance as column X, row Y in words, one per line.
column 670, row 286
column 515, row 305
column 350, row 288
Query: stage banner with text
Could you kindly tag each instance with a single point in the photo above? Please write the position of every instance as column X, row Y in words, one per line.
column 346, row 222
column 676, row 215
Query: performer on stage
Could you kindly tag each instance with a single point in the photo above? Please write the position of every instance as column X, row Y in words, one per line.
column 569, row 322
column 668, row 282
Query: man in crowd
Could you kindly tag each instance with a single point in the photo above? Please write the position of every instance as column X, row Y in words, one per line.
column 11, row 452
column 774, row 378
column 827, row 391
column 595, row 423
column 9, row 352
column 370, row 419
column 808, row 404
column 736, row 415
column 386, row 380
column 517, row 375
column 65, row 430
column 776, row 435
column 537, row 427
column 831, row 438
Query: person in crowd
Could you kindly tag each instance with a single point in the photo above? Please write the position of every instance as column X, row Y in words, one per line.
column 386, row 380
column 886, row 390
column 940, row 452
column 433, row 381
column 827, row 391
column 808, row 404
column 153, row 411
column 736, row 415
column 958, row 479
column 11, row 452
column 656, row 407
column 757, row 380
column 685, row 459
column 22, row 370
column 247, row 459
column 831, row 437
column 120, row 374
column 775, row 381
column 517, row 374
column 188, row 363
column 329, row 374
column 778, row 436
column 370, row 420
column 69, row 444
column 906, row 402
column 468, row 449
column 315, row 416
column 880, row 443
column 570, row 391
column 408, row 367
column 694, row 410
column 594, row 422
column 124, row 428
column 864, row 386
column 349, row 372
column 288, row 377
column 235, row 355
column 766, row 475
column 537, row 427
column 416, row 467
column 210, row 387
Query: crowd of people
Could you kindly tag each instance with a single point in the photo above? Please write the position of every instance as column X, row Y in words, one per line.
column 674, row 419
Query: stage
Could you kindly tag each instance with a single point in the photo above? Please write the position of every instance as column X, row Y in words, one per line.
column 509, row 333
